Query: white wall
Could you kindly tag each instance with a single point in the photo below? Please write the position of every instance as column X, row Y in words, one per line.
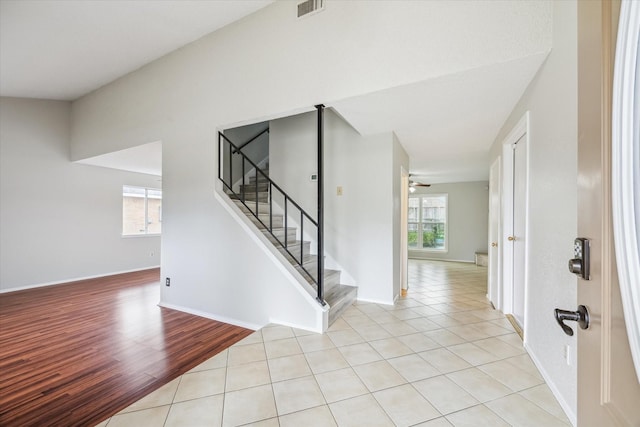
column 227, row 79
column 362, row 226
column 552, row 101
column 468, row 220
column 59, row 221
column 293, row 157
column 365, row 219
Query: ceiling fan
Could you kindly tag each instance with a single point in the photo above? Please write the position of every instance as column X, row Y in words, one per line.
column 413, row 184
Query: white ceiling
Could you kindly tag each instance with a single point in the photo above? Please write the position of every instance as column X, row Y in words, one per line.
column 146, row 158
column 446, row 124
column 64, row 49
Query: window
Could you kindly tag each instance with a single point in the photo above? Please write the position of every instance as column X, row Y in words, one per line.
column 141, row 211
column 428, row 222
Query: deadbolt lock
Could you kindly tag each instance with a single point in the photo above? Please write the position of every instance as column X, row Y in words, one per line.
column 579, row 265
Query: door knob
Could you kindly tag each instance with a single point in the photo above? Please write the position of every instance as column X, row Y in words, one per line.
column 581, row 316
column 511, row 238
column 575, row 266
column 494, row 244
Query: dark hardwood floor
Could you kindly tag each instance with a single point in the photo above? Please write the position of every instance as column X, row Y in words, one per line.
column 76, row 354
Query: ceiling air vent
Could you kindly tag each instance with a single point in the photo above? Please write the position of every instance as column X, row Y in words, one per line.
column 309, row 7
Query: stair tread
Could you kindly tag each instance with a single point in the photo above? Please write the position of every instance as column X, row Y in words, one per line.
column 253, row 193
column 252, row 205
column 265, row 204
column 328, row 271
column 338, row 292
column 290, row 245
column 263, row 207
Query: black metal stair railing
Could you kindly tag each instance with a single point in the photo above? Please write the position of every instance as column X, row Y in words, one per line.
column 273, row 192
column 250, row 140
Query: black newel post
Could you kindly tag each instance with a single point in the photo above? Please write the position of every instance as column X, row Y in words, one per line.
column 320, row 173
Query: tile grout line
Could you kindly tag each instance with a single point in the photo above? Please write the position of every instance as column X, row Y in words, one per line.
column 360, row 319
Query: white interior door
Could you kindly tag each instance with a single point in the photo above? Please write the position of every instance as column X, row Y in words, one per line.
column 513, row 221
column 495, row 209
column 518, row 236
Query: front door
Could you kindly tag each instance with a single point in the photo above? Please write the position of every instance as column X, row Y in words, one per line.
column 608, row 388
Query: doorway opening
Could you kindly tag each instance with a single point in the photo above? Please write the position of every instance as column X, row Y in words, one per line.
column 404, row 240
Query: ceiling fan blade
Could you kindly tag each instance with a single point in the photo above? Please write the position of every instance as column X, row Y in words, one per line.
column 418, row 184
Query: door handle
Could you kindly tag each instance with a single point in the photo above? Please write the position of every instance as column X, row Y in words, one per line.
column 494, row 244
column 581, row 316
column 511, row 238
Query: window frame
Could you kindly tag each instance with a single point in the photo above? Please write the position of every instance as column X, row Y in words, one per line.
column 146, row 211
column 419, row 223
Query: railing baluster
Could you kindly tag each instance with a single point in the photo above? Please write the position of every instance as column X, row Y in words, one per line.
column 301, row 236
column 219, row 156
column 270, row 206
column 257, row 200
column 286, row 221
column 242, row 191
column 230, row 169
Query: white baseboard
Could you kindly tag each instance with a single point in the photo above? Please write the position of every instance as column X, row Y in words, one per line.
column 223, row 319
column 426, row 258
column 291, row 325
column 75, row 279
column 563, row 403
column 374, row 301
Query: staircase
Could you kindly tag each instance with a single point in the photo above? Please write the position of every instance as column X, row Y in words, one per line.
column 339, row 297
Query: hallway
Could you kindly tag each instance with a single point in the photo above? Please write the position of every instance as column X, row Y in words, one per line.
column 440, row 357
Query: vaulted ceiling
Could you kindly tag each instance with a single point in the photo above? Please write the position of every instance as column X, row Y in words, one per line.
column 64, row 49
column 446, row 124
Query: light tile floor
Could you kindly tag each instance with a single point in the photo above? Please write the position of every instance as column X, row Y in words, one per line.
column 439, row 357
